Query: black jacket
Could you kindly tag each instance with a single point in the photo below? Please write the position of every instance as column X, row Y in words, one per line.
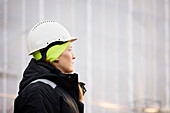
column 42, row 98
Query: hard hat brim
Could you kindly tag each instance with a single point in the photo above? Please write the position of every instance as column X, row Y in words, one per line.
column 72, row 39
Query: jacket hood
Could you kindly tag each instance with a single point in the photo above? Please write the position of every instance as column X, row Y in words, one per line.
column 40, row 69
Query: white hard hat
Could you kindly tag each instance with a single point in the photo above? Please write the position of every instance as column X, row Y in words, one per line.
column 45, row 33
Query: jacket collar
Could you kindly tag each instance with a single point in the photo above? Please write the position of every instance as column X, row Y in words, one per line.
column 40, row 69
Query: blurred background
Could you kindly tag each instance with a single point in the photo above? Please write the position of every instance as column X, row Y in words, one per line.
column 122, row 52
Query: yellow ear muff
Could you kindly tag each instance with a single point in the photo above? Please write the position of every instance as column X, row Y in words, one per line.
column 52, row 53
column 37, row 55
column 55, row 51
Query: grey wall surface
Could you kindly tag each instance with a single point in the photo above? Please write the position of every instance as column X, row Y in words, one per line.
column 122, row 51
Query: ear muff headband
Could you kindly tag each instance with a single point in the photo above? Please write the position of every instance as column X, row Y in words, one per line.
column 55, row 51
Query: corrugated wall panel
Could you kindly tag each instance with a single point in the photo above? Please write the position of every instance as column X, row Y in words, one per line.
column 122, row 51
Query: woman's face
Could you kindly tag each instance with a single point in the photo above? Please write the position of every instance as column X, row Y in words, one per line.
column 65, row 61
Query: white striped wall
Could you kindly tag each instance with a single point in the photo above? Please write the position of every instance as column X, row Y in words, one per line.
column 116, row 73
column 5, row 55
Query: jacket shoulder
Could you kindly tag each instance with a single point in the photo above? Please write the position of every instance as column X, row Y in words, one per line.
column 37, row 97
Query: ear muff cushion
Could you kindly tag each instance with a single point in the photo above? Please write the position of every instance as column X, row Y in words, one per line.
column 37, row 55
column 55, row 51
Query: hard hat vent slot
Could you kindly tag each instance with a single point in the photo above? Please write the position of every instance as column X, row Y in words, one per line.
column 42, row 23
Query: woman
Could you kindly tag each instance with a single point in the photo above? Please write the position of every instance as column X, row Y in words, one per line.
column 48, row 85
